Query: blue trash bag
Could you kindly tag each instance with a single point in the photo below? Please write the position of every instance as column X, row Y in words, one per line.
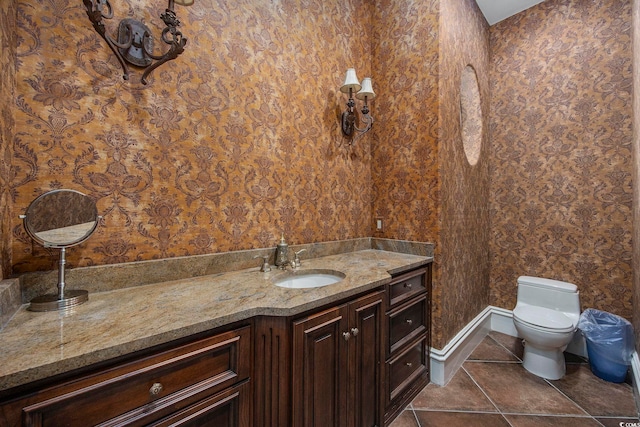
column 610, row 343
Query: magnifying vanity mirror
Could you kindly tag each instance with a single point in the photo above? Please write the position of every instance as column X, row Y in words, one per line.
column 60, row 219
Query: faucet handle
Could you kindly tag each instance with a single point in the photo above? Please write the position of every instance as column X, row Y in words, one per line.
column 265, row 263
column 296, row 259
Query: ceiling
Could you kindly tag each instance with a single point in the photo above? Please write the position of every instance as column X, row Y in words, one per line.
column 497, row 10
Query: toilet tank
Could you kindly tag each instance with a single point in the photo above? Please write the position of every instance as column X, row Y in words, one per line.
column 549, row 293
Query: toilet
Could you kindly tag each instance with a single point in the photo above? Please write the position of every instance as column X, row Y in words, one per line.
column 546, row 316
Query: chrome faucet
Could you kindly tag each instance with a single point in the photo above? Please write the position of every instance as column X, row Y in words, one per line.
column 296, row 260
column 265, row 268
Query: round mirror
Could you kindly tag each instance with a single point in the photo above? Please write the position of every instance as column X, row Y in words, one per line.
column 61, row 218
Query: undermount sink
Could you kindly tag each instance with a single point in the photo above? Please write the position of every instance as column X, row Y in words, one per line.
column 301, row 279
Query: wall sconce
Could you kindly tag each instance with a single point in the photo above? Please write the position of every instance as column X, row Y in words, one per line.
column 364, row 92
column 135, row 43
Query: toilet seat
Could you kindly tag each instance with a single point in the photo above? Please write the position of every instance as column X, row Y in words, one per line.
column 543, row 319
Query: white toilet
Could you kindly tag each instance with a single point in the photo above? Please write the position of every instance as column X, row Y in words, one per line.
column 546, row 316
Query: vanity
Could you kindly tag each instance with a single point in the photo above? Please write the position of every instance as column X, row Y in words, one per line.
column 228, row 349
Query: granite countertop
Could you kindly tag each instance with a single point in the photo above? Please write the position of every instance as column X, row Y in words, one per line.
column 113, row 323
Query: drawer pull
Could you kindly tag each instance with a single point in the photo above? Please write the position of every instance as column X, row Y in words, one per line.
column 407, row 285
column 355, row 332
column 409, row 322
column 409, row 364
column 346, row 336
column 155, row 389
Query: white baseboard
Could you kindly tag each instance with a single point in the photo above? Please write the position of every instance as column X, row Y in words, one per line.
column 635, row 373
column 446, row 362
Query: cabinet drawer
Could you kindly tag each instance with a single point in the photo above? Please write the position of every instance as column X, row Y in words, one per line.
column 133, row 390
column 225, row 409
column 407, row 286
column 406, row 323
column 405, row 367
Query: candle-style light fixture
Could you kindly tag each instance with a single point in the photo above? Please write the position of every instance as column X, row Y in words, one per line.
column 365, row 93
column 134, row 44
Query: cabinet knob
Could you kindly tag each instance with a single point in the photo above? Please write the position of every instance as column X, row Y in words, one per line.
column 346, row 336
column 409, row 322
column 407, row 285
column 355, row 332
column 155, row 389
column 409, row 364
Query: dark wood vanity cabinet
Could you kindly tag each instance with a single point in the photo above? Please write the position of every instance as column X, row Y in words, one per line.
column 408, row 326
column 356, row 363
column 204, row 382
column 336, row 365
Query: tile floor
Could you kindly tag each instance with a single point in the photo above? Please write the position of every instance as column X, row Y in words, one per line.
column 493, row 389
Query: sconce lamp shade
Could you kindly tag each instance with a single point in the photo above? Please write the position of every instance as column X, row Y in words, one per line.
column 350, row 82
column 367, row 90
column 184, row 2
column 349, row 116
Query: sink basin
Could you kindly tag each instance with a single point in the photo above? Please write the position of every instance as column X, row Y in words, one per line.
column 308, row 279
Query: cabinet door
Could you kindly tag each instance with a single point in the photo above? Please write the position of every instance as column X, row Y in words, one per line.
column 366, row 316
column 319, row 371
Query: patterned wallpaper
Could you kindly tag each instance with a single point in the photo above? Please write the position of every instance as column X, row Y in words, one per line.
column 636, row 169
column 7, row 87
column 405, row 168
column 464, row 218
column 423, row 187
column 561, row 123
column 404, row 149
column 230, row 145
column 238, row 140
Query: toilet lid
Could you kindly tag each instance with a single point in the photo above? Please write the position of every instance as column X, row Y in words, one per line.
column 543, row 318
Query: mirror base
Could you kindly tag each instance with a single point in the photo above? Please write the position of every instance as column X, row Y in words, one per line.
column 50, row 302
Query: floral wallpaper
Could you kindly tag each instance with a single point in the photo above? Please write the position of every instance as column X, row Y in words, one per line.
column 465, row 221
column 423, row 187
column 238, row 140
column 405, row 168
column 561, row 130
column 229, row 146
column 7, row 86
column 636, row 170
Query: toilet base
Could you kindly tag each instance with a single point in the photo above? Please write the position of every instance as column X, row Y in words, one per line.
column 545, row 363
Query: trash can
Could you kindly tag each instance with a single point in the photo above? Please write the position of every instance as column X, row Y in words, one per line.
column 610, row 343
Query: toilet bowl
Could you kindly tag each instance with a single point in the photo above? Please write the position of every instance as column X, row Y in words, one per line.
column 546, row 316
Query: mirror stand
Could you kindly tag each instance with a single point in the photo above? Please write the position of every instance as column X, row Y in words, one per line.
column 60, row 219
column 63, row 299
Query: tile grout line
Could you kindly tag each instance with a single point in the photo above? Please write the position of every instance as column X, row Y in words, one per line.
column 547, row 381
column 486, row 395
column 506, row 349
column 526, row 414
column 478, row 385
column 571, row 400
column 415, row 417
column 584, row 416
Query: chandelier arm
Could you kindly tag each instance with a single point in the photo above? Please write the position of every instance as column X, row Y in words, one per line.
column 368, row 123
column 94, row 12
column 176, row 49
column 176, row 43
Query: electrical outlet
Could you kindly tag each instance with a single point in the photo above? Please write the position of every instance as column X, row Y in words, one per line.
column 379, row 225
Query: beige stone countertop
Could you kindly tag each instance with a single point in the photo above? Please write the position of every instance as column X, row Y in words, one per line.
column 35, row 346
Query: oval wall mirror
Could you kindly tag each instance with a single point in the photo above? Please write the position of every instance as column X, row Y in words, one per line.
column 470, row 115
column 60, row 219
